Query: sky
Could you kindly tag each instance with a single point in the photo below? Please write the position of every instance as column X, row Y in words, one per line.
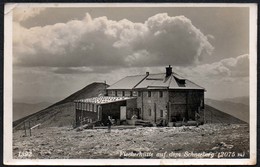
column 57, row 51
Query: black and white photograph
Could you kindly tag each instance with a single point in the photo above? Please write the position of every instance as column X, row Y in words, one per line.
column 126, row 83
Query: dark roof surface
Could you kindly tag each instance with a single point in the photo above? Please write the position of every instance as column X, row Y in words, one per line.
column 155, row 81
column 128, row 82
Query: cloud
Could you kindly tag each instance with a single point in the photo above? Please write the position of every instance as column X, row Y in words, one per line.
column 22, row 14
column 89, row 42
column 82, row 70
column 239, row 66
column 230, row 68
column 225, row 78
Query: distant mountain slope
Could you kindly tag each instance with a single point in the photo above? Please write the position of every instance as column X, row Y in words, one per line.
column 62, row 112
column 243, row 100
column 238, row 110
column 90, row 90
column 21, row 110
column 213, row 115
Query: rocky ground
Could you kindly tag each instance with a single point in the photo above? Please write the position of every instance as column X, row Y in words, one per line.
column 206, row 141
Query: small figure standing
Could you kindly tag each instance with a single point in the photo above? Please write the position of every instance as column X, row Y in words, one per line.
column 109, row 123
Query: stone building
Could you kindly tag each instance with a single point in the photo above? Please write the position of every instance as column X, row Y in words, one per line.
column 165, row 97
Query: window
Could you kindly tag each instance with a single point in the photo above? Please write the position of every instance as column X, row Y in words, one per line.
column 161, row 94
column 115, row 93
column 123, row 93
column 139, row 93
column 87, row 106
column 131, row 93
column 93, row 107
column 150, row 112
column 90, row 107
column 80, row 106
column 161, row 113
column 149, row 93
column 84, row 106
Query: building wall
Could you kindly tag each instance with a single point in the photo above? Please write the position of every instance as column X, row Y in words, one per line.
column 131, row 103
column 83, row 117
column 185, row 103
column 151, row 106
column 131, row 109
column 122, row 92
column 112, row 109
column 86, row 112
column 174, row 105
column 195, row 102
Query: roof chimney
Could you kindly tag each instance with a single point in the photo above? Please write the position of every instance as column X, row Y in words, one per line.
column 168, row 71
column 147, row 73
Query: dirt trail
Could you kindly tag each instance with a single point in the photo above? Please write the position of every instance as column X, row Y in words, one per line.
column 206, row 141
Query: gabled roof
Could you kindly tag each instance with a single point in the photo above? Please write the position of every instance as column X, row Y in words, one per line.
column 176, row 83
column 128, row 82
column 155, row 81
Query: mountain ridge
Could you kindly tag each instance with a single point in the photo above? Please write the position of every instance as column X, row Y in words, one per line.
column 235, row 109
column 91, row 90
column 243, row 100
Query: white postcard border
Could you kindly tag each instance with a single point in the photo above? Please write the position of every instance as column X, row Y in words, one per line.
column 8, row 100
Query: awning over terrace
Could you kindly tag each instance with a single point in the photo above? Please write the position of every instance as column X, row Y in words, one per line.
column 103, row 99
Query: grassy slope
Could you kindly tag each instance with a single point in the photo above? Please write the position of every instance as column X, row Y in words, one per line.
column 238, row 110
column 213, row 115
column 61, row 113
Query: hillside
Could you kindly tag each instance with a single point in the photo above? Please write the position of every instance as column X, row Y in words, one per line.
column 62, row 112
column 243, row 100
column 21, row 110
column 238, row 110
column 213, row 115
column 92, row 90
